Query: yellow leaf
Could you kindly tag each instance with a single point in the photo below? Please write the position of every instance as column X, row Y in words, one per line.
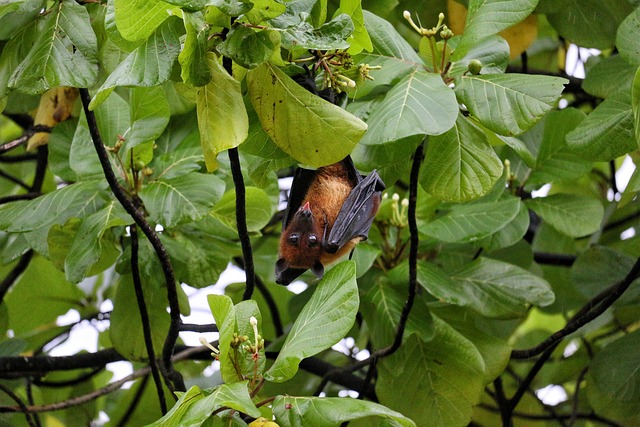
column 55, row 107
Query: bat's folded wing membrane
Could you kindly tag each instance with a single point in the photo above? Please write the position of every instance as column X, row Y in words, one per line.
column 356, row 214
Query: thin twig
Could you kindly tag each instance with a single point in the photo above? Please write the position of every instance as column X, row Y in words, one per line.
column 15, row 180
column 21, row 405
column 144, row 318
column 15, row 272
column 26, row 157
column 176, row 380
column 124, row 421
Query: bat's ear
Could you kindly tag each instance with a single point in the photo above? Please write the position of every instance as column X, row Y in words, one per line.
column 318, row 269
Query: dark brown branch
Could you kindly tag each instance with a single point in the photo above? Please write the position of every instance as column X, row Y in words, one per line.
column 66, row 383
column 192, row 327
column 144, row 318
column 124, row 421
column 503, row 404
column 28, row 133
column 23, row 407
column 586, row 314
column 19, row 366
column 15, row 180
column 535, row 417
column 563, row 260
column 16, row 197
column 176, row 381
column 27, row 157
column 15, row 272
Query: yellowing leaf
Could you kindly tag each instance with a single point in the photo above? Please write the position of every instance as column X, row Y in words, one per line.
column 55, row 107
column 222, row 117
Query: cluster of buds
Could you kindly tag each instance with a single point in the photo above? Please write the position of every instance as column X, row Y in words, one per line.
column 399, row 210
column 445, row 32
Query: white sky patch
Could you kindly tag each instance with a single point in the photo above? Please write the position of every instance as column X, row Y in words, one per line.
column 552, row 395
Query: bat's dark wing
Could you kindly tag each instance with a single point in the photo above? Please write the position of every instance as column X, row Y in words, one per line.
column 357, row 213
column 302, row 179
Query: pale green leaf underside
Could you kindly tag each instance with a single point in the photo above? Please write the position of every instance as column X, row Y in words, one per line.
column 419, row 104
column 138, row 19
column 187, row 197
column 305, row 126
column 324, row 320
column 460, row 164
column 573, row 215
column 509, row 104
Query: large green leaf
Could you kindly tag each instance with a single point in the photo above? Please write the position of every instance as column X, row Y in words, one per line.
column 64, row 53
column 148, row 65
column 323, row 321
column 509, row 104
column 359, row 39
column 488, row 17
column 193, row 57
column 573, row 215
column 13, row 53
column 492, row 52
column 555, row 160
column 635, row 103
column 574, row 20
column 75, row 200
column 149, row 115
column 223, row 312
column 138, row 19
column 607, row 132
column 446, row 373
column 195, row 406
column 419, row 104
column 496, row 289
column 613, row 379
column 259, row 209
column 87, row 247
column 332, row 35
column 305, row 126
column 466, row 223
column 460, row 165
column 627, row 38
column 293, row 411
column 598, row 81
column 250, row 48
column 222, row 117
column 186, row 197
column 125, row 331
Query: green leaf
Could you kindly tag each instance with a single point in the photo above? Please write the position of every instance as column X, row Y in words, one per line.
column 635, row 103
column 222, row 117
column 488, row 17
column 305, row 126
column 607, row 132
column 187, row 197
column 613, row 379
column 556, row 161
column 250, row 48
column 460, row 164
column 330, row 36
column 293, row 411
column 496, row 289
column 13, row 53
column 264, row 10
column 573, row 215
column 16, row 15
column 87, row 247
column 224, row 315
column 467, row 223
column 323, row 321
column 419, row 104
column 627, row 38
column 599, row 83
column 193, row 57
column 112, row 32
column 359, row 39
column 259, row 209
column 128, row 13
column 125, row 331
column 64, row 53
column 451, row 372
column 510, row 234
column 526, row 98
column 148, row 65
column 149, row 115
column 74, row 200
column 573, row 20
column 492, row 52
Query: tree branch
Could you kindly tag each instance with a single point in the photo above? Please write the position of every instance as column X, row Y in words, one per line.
column 176, row 381
column 144, row 318
column 586, row 314
column 15, row 272
column 21, row 405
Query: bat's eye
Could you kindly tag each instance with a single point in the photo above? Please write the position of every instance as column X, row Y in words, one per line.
column 313, row 240
column 293, row 239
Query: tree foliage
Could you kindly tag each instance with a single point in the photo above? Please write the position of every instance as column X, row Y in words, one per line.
column 141, row 149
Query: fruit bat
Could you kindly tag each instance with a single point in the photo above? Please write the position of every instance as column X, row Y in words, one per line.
column 329, row 211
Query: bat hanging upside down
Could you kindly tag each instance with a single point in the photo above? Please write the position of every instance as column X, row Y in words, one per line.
column 330, row 210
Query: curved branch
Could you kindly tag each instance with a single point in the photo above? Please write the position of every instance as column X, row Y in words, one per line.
column 15, row 272
column 144, row 318
column 21, row 405
column 586, row 314
column 175, row 378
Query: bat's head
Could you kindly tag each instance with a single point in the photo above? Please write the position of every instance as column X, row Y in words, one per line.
column 301, row 240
